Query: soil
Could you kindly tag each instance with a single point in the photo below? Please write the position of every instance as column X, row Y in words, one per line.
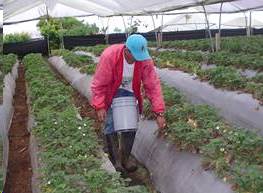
column 19, row 171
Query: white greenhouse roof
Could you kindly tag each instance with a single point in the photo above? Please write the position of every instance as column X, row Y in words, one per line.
column 20, row 10
column 100, row 7
column 243, row 22
column 186, row 22
column 235, row 6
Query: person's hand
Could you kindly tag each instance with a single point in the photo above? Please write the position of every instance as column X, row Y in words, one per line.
column 161, row 122
column 101, row 113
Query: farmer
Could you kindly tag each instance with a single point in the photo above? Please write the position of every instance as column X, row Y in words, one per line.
column 121, row 70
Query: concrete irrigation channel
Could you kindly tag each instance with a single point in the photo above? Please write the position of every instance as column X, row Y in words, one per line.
column 239, row 109
column 171, row 171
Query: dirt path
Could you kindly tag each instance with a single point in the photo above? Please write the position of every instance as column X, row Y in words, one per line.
column 19, row 171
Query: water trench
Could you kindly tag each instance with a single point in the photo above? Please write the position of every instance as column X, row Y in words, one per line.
column 19, row 170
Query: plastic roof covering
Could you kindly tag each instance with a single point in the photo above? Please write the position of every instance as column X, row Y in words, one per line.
column 185, row 22
column 102, row 7
column 19, row 10
column 186, row 19
column 241, row 22
column 235, row 6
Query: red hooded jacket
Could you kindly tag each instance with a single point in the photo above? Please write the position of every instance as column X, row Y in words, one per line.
column 108, row 78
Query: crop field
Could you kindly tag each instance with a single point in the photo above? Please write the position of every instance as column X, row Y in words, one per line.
column 233, row 153
column 69, row 139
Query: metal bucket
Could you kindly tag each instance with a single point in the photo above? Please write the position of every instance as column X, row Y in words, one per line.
column 125, row 114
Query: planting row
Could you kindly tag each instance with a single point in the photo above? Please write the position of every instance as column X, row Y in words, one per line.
column 83, row 62
column 242, row 44
column 96, row 50
column 6, row 64
column 226, row 77
column 234, row 154
column 147, row 153
column 242, row 61
column 69, row 153
column 238, row 60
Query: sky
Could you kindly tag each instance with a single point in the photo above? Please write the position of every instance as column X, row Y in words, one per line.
column 117, row 22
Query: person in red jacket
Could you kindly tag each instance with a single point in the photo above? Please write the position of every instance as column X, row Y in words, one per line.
column 121, row 70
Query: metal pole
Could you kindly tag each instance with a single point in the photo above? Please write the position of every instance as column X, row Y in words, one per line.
column 220, row 18
column 125, row 27
column 208, row 28
column 156, row 37
column 48, row 43
column 107, row 25
column 246, row 20
column 250, row 23
column 161, row 40
column 131, row 21
column 62, row 37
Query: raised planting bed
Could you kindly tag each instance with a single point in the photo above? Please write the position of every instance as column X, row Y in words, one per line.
column 85, row 63
column 6, row 64
column 69, row 149
column 94, row 58
column 201, row 44
column 236, row 108
column 234, row 154
column 219, row 76
column 228, row 103
column 245, row 45
column 238, row 60
column 6, row 110
column 96, row 50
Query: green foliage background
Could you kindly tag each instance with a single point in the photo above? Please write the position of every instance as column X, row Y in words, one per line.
column 56, row 28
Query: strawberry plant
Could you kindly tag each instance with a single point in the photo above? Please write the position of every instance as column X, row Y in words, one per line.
column 96, row 50
column 199, row 129
column 225, row 77
column 242, row 44
column 258, row 78
column 72, row 59
column 7, row 63
column 239, row 60
column 256, row 89
column 88, row 69
column 247, row 176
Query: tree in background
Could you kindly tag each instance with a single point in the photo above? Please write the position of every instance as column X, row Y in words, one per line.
column 133, row 27
column 16, row 37
column 117, row 30
column 56, row 28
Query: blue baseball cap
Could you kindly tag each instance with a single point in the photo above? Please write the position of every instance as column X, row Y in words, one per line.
column 137, row 44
